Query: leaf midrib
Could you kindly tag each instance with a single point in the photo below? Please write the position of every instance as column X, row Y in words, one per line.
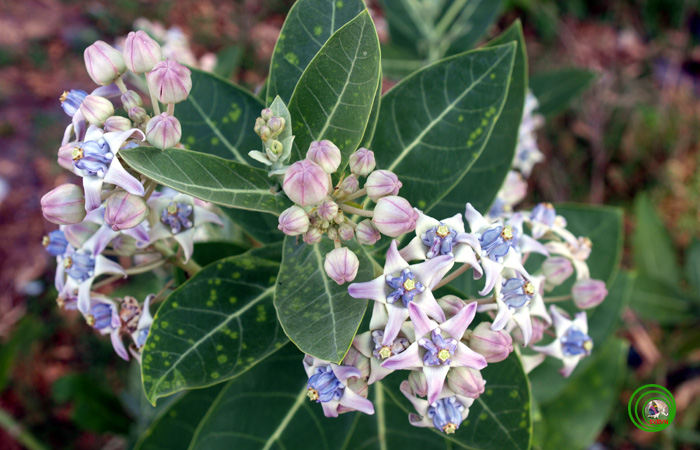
column 216, row 131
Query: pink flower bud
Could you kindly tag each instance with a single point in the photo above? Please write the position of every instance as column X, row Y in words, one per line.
column 305, row 183
column 96, row 109
column 332, row 234
column 325, row 154
column 557, row 270
column 394, row 216
column 362, row 162
column 327, row 210
column 588, row 293
column 141, row 52
column 293, row 221
column 346, row 232
column 124, row 210
column 276, row 124
column 313, row 236
column 138, row 115
column 131, row 99
column 356, row 359
column 418, row 383
column 367, row 233
column 104, row 63
column 495, row 346
column 163, row 131
column 341, row 265
column 117, row 123
column 170, row 81
column 451, row 304
column 538, row 327
column 348, row 186
column 64, row 205
column 267, row 114
column 381, row 183
column 65, row 156
column 466, row 381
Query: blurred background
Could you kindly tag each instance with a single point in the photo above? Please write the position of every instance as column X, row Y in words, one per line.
column 629, row 139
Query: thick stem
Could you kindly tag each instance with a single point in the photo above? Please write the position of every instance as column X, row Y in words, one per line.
column 154, row 102
column 171, row 109
column 453, row 275
column 357, row 211
column 561, row 298
column 191, row 267
column 357, row 194
column 150, row 187
column 120, row 84
column 17, row 431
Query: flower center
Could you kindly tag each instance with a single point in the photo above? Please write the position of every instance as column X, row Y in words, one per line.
column 409, row 285
column 575, row 342
column 63, row 96
column 450, row 428
column 312, row 394
column 172, row 209
column 439, row 240
column 517, row 292
column 324, row 386
column 90, row 319
column 178, row 216
column 529, row 288
column 385, row 352
column 442, row 231
column 443, row 355
column 439, row 350
column 45, row 241
column 68, row 262
column 507, row 233
column 404, row 287
column 77, row 153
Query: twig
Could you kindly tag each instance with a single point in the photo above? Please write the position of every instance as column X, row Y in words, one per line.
column 453, row 275
column 357, row 211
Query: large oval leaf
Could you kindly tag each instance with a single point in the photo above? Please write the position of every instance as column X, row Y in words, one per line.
column 486, row 176
column 555, row 90
column 267, row 408
column 434, row 124
column 318, row 315
column 210, row 178
column 218, row 118
column 308, row 26
column 218, row 324
column 334, row 97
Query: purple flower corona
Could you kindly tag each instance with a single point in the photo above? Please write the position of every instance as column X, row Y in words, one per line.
column 71, row 101
column 405, row 287
column 439, row 240
column 101, row 315
column 439, row 350
column 497, row 241
column 517, row 292
column 575, row 343
column 92, row 157
column 446, row 414
column 55, row 243
column 382, row 351
column 80, row 266
column 177, row 216
column 324, row 386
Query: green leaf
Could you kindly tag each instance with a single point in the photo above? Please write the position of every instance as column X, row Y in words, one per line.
column 210, row 178
column 280, row 109
column 472, row 23
column 319, row 316
column 373, row 117
column 692, row 264
column 661, row 303
column 653, row 249
column 27, row 331
column 218, row 118
column 308, row 26
column 576, row 417
column 556, row 89
column 267, row 408
column 334, row 97
column 434, row 124
column 261, row 227
column 217, row 325
column 206, row 253
column 486, row 177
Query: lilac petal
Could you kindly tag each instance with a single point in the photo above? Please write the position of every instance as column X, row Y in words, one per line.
column 492, row 271
column 92, row 187
column 581, row 322
column 203, row 215
column 561, row 323
column 377, row 372
column 470, row 240
column 397, row 316
column 67, row 134
column 84, row 295
column 107, row 91
column 79, row 126
column 530, row 245
column 364, row 343
column 421, row 323
column 380, row 317
column 373, row 290
column 94, row 133
column 424, row 223
column 538, row 309
column 116, row 139
column 457, row 325
column 139, row 232
column 502, row 316
column 512, row 261
column 330, row 409
column 419, row 404
column 435, row 375
column 569, row 366
column 356, row 402
column 530, row 362
column 431, row 307
column 117, row 175
column 394, row 262
column 186, row 241
column 420, row 421
column 158, row 231
column 342, row 373
column 466, row 357
column 98, row 241
column 465, row 254
column 431, row 272
column 477, row 223
column 581, row 269
column 104, row 265
column 118, row 344
column 407, row 359
column 553, row 349
column 414, row 251
column 522, row 318
column 60, row 278
column 455, row 222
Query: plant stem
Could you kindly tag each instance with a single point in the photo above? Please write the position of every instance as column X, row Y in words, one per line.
column 106, row 281
column 453, row 275
column 161, row 293
column 120, row 84
column 171, row 109
column 358, row 211
column 191, row 267
column 150, row 187
column 17, row 431
column 154, row 102
column 561, row 298
column 357, row 194
column 145, row 267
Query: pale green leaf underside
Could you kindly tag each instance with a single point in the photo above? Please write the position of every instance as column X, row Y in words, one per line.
column 210, row 178
column 217, row 325
column 334, row 97
column 434, row 124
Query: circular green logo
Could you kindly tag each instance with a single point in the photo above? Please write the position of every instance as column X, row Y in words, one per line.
column 652, row 408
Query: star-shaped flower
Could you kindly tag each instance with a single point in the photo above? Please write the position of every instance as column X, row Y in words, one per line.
column 446, row 413
column 329, row 384
column 572, row 342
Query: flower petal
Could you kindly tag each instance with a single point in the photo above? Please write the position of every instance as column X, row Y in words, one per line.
column 432, row 271
column 530, row 362
column 84, row 295
column 477, row 223
column 561, row 323
column 342, row 373
column 419, row 404
column 118, row 344
column 117, row 175
column 377, row 372
column 380, row 317
column 394, row 262
column 414, row 251
column 98, row 241
column 116, row 139
column 427, row 301
column 407, row 359
column 530, row 245
column 455, row 222
column 553, row 349
column 186, row 241
column 503, row 315
column 397, row 316
column 424, row 223
column 581, row 321
column 522, row 318
column 457, row 324
column 466, row 357
column 356, row 402
column 465, row 254
column 364, row 343
column 330, row 409
column 92, row 187
column 569, row 366
column 420, row 321
column 492, row 271
column 435, row 377
column 372, row 290
column 203, row 215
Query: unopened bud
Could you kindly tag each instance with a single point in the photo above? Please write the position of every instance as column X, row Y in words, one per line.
column 466, row 381
column 325, row 154
column 141, row 53
column 451, row 304
column 131, row 99
column 341, row 265
column 117, row 123
column 328, row 210
column 346, row 232
column 305, row 183
column 356, row 359
column 276, row 147
column 64, row 205
column 394, row 216
column 348, row 186
column 163, row 131
column 588, row 293
column 493, row 345
column 124, row 210
column 332, row 233
column 170, row 81
column 276, row 124
column 381, row 183
column 267, row 114
column 362, row 162
column 367, row 233
column 138, row 115
column 293, row 221
column 104, row 63
column 313, row 236
column 96, row 109
column 259, row 123
column 418, row 383
column 556, row 270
